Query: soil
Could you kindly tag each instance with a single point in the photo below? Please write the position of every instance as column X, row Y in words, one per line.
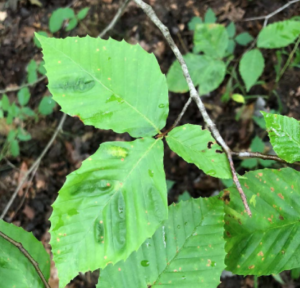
column 78, row 141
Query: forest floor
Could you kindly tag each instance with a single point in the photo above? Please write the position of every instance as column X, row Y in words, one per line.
column 18, row 22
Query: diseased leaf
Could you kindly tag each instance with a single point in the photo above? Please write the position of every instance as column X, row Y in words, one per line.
column 284, row 133
column 197, row 146
column 186, row 251
column 15, row 269
column 251, row 67
column 211, row 39
column 279, row 34
column 267, row 242
column 205, row 71
column 106, row 83
column 108, row 207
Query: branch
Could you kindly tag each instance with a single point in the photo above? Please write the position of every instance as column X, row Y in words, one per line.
column 267, row 17
column 261, row 156
column 195, row 96
column 115, row 19
column 34, row 165
column 22, row 86
column 28, row 256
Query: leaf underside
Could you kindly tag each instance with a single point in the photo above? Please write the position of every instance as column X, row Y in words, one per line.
column 107, row 84
column 15, row 269
column 284, row 133
column 268, row 242
column 109, row 206
column 197, row 146
column 186, row 251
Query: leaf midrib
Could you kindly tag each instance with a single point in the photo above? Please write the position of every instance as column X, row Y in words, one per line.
column 97, row 80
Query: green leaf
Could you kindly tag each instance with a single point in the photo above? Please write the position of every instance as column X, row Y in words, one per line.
column 284, row 133
column 238, row 98
column 36, row 41
column 205, row 71
column 82, row 13
column 106, row 83
column 72, row 24
column 231, row 46
column 210, row 16
column 244, row 38
column 197, row 146
column 194, row 22
column 46, row 105
column 279, row 34
column 231, row 29
column 23, row 96
column 31, row 72
column 184, row 196
column 266, row 163
column 1, row 114
column 170, row 184
column 15, row 269
column 251, row 67
column 186, row 251
column 41, row 68
column 257, row 145
column 27, row 111
column 295, row 273
column 14, row 148
column 267, row 242
column 260, row 121
column 23, row 135
column 211, row 39
column 109, row 206
column 249, row 163
column 11, row 135
column 57, row 18
column 5, row 102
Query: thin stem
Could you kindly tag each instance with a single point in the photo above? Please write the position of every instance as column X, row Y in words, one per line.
column 115, row 19
column 22, row 86
column 195, row 96
column 261, row 156
column 182, row 113
column 267, row 17
column 34, row 165
column 289, row 59
column 28, row 256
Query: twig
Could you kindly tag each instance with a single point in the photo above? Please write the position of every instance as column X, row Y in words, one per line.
column 115, row 19
column 267, row 17
column 261, row 156
column 34, row 165
column 195, row 96
column 22, row 86
column 28, row 256
column 182, row 112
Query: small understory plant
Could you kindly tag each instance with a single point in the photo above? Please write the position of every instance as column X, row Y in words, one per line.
column 112, row 212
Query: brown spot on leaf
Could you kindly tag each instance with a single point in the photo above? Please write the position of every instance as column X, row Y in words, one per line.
column 251, row 267
column 272, row 189
column 209, row 144
column 280, row 195
column 260, row 253
column 219, row 151
column 281, row 217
